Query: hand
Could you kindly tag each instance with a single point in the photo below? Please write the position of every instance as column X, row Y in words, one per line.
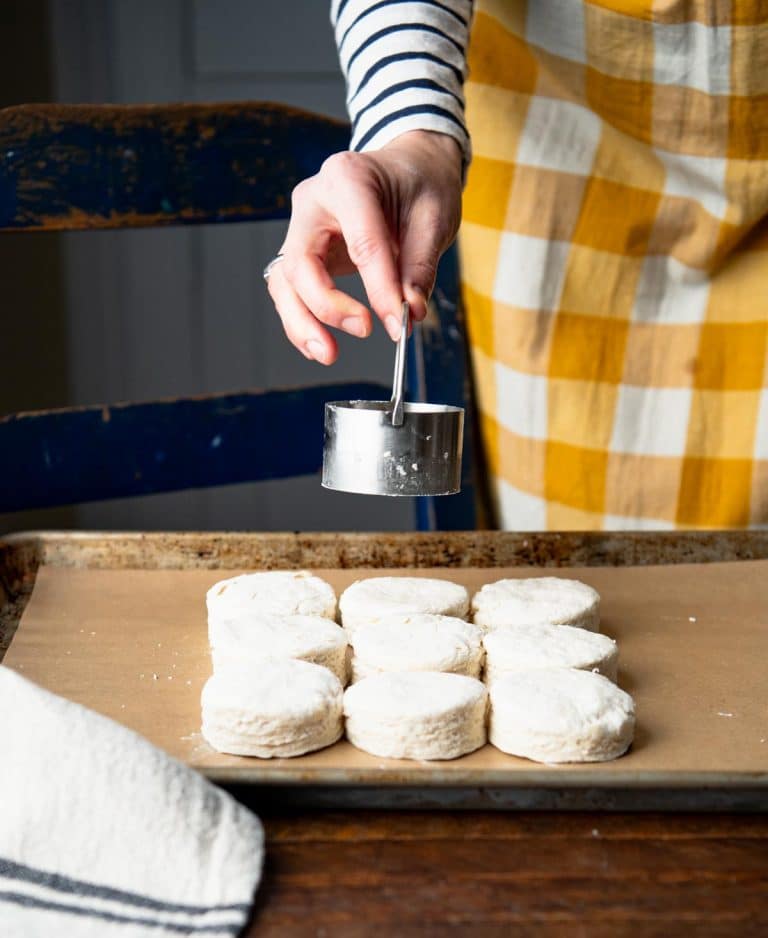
column 388, row 214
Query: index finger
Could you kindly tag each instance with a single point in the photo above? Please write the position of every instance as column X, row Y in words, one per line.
column 369, row 244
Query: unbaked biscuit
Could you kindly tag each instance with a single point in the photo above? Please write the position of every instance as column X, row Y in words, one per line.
column 419, row 642
column 546, row 600
column 376, row 597
column 245, row 642
column 271, row 592
column 284, row 708
column 560, row 715
column 416, row 714
column 525, row 647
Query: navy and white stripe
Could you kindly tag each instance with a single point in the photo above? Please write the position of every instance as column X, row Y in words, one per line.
column 120, row 839
column 405, row 65
column 33, row 890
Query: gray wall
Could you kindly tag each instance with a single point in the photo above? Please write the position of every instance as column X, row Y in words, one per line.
column 184, row 311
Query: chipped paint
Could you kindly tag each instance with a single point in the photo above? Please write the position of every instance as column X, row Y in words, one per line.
column 163, row 446
column 72, row 167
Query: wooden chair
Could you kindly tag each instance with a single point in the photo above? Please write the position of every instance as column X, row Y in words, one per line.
column 72, row 167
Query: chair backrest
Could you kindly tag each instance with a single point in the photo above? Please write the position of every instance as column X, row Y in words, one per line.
column 70, row 167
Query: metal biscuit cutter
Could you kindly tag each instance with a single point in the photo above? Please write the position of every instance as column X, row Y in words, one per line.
column 393, row 447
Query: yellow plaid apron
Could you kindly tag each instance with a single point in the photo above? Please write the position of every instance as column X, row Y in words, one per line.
column 615, row 260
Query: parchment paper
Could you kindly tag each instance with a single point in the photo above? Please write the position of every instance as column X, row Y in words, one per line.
column 693, row 651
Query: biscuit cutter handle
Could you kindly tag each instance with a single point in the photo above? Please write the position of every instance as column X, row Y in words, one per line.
column 396, row 403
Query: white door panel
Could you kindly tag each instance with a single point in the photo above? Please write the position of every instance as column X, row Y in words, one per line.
column 267, row 38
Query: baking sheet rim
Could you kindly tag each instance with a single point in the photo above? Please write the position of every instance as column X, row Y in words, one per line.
column 551, row 778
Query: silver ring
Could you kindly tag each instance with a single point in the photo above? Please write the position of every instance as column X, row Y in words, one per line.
column 268, row 269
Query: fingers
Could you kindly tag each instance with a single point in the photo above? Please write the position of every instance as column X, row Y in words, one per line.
column 317, row 291
column 347, row 214
column 303, row 330
column 302, row 289
column 351, row 193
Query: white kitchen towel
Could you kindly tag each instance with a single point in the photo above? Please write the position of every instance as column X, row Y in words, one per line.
column 102, row 834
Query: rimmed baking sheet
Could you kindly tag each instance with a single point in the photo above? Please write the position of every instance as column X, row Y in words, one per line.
column 132, row 644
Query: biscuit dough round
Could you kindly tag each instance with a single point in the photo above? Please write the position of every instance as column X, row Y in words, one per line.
column 560, row 715
column 546, row 600
column 285, row 708
column 271, row 592
column 376, row 597
column 416, row 714
column 525, row 647
column 419, row 642
column 246, row 642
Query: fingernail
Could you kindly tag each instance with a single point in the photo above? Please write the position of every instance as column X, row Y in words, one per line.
column 392, row 325
column 316, row 350
column 354, row 325
column 418, row 310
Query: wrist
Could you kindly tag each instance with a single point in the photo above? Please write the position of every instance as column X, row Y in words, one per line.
column 433, row 142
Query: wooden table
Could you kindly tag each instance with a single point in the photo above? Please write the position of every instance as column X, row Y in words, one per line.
column 518, row 874
column 477, row 873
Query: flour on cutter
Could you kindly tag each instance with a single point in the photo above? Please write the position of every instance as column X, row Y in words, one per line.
column 524, row 647
column 560, row 715
column 546, row 600
column 376, row 597
column 285, row 708
column 416, row 714
column 418, row 642
column 247, row 641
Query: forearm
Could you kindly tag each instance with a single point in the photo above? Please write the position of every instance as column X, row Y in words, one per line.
column 405, row 64
column 387, row 213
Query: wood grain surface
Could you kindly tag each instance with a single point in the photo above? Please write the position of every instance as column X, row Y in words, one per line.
column 513, row 874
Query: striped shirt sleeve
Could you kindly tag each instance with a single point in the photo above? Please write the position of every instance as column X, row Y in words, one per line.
column 405, row 65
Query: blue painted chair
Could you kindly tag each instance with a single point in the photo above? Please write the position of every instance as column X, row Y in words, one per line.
column 82, row 167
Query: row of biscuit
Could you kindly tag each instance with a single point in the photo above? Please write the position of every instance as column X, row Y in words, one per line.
column 281, row 662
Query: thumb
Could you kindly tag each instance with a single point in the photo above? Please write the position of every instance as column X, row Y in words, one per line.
column 420, row 249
